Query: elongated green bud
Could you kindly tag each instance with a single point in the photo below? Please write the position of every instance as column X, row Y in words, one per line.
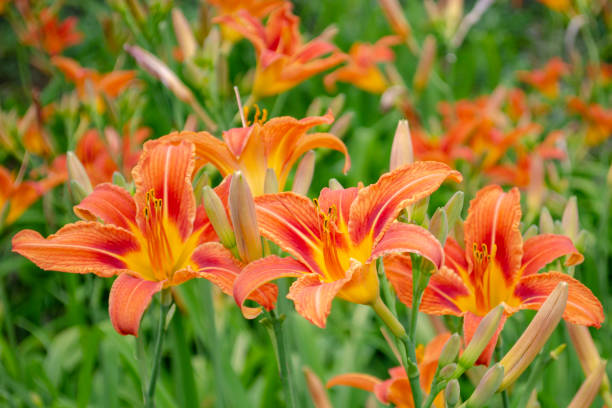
column 401, row 149
column 218, row 217
column 119, row 180
column 336, row 104
column 532, row 231
column 450, row 351
column 453, row 208
column 335, row 184
column 547, row 225
column 486, row 387
column 452, row 394
column 244, row 219
column 447, row 371
column 588, row 391
column 438, row 225
column 78, row 175
column 484, row 332
column 570, row 219
column 419, row 211
column 183, row 33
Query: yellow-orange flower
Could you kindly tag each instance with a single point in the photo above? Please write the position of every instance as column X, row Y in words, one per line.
column 256, row 8
column 154, row 240
column 546, row 79
column 46, row 32
column 283, row 60
column 598, row 120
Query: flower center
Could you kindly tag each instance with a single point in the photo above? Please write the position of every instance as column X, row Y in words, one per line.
column 158, row 244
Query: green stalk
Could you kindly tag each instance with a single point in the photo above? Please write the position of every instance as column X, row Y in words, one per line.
column 282, row 354
column 164, row 306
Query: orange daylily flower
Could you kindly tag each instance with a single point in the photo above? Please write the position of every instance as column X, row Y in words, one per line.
column 497, row 267
column 276, row 144
column 336, row 239
column 397, row 389
column 109, row 84
column 598, row 120
column 546, row 80
column 283, row 60
column 154, row 240
column 256, row 8
column 362, row 68
column 17, row 197
column 46, row 32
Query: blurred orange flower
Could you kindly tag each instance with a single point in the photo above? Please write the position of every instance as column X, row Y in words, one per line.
column 598, row 120
column 337, row 238
column 256, row 8
column 283, row 60
column 362, row 67
column 397, row 389
column 154, row 240
column 546, row 79
column 46, row 32
column 497, row 267
column 276, row 144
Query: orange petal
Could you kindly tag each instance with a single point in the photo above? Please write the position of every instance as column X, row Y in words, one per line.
column 399, row 393
column 110, row 203
column 21, row 198
column 377, row 205
column 470, row 324
column 129, row 298
column 114, row 82
column 492, row 235
column 215, row 263
column 356, row 380
column 313, row 298
column 543, row 249
column 582, row 308
column 445, row 294
column 454, row 256
column 292, row 222
column 398, row 269
column 260, row 272
column 82, row 247
column 341, row 200
column 236, row 139
column 165, row 170
column 401, row 238
column 429, row 364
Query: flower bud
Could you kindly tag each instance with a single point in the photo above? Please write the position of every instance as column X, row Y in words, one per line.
column 438, row 225
column 336, row 104
column 570, row 219
column 447, row 371
column 183, row 33
column 303, row 173
column 419, row 211
column 401, row 149
column 270, row 182
column 487, row 386
column 533, row 400
column 535, row 336
column 341, row 126
column 452, row 393
column 315, row 108
column 335, row 184
column 453, row 208
column 587, row 352
column 425, row 65
column 119, row 180
column 316, row 389
column 244, row 219
column 531, row 232
column 483, row 334
column 396, row 18
column 218, row 217
column 78, row 175
column 547, row 225
column 200, row 180
column 450, row 351
column 78, row 192
column 588, row 390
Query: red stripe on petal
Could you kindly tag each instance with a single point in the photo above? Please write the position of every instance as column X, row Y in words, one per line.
column 260, row 272
column 582, row 307
column 110, row 203
column 377, row 205
column 129, row 298
column 165, row 169
column 445, row 294
column 313, row 298
column 341, row 200
column 402, row 238
column 540, row 250
column 82, row 247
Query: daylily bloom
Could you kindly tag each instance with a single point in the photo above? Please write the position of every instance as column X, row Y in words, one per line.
column 336, row 239
column 497, row 267
column 276, row 144
column 154, row 240
column 16, row 197
column 283, row 60
column 46, row 32
column 598, row 120
column 397, row 390
column 546, row 80
column 362, row 67
column 109, row 84
column 256, row 8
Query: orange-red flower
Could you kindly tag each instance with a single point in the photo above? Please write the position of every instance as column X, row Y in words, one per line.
column 497, row 267
column 598, row 120
column 46, row 32
column 397, row 389
column 256, row 8
column 109, row 84
column 546, row 80
column 153, row 240
column 362, row 67
column 283, row 60
column 336, row 239
column 276, row 144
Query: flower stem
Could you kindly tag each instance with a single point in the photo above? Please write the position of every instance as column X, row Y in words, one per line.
column 164, row 306
column 282, row 356
column 407, row 349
